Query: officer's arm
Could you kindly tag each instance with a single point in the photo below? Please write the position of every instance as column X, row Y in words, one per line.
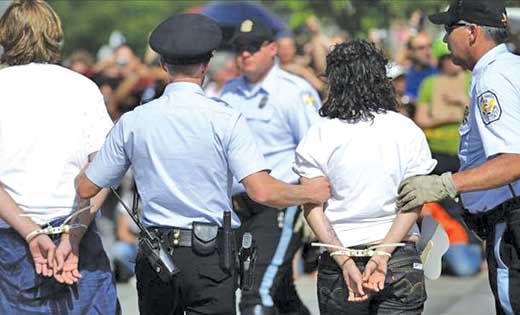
column 267, row 190
column 85, row 188
column 496, row 172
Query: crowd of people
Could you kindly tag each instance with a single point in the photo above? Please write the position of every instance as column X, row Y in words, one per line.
column 267, row 151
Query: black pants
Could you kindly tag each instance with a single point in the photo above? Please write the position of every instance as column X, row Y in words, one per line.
column 504, row 268
column 202, row 287
column 404, row 292
column 276, row 242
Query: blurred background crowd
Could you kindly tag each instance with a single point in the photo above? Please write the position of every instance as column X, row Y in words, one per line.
column 106, row 41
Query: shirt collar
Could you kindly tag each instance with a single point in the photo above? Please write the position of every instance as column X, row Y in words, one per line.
column 488, row 57
column 268, row 84
column 183, row 87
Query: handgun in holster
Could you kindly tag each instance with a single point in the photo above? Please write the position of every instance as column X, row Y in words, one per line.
column 153, row 248
column 247, row 258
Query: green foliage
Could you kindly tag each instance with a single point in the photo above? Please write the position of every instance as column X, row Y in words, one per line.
column 87, row 24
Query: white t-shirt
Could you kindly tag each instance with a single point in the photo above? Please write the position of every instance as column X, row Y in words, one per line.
column 365, row 162
column 51, row 119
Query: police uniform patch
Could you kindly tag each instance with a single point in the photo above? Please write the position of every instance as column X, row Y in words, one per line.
column 309, row 99
column 489, row 107
column 246, row 26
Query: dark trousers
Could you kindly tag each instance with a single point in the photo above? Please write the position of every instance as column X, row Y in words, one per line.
column 503, row 258
column 202, row 286
column 22, row 291
column 404, row 292
column 277, row 243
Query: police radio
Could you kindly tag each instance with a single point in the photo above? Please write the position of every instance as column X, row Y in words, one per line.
column 152, row 247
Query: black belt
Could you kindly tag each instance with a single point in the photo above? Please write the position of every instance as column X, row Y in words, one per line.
column 483, row 222
column 174, row 237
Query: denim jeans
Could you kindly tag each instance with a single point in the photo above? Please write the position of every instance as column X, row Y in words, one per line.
column 463, row 260
column 123, row 255
column 22, row 291
column 404, row 292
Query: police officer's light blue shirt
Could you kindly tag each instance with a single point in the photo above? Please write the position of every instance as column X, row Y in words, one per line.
column 279, row 111
column 184, row 149
column 492, row 125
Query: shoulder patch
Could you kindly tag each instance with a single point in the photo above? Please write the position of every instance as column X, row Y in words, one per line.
column 489, row 107
column 309, row 99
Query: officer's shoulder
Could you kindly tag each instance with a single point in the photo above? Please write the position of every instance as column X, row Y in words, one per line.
column 294, row 80
column 232, row 85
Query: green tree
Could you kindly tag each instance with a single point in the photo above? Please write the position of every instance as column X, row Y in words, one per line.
column 87, row 24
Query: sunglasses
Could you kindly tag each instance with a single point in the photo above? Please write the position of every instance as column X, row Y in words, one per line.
column 250, row 47
column 451, row 27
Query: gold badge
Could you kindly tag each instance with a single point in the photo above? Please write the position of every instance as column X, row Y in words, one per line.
column 246, row 26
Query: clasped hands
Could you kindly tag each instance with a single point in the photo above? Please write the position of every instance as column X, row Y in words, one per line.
column 372, row 280
column 60, row 262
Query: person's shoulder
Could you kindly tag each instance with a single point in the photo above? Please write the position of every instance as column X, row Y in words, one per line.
column 294, row 80
column 232, row 85
column 398, row 121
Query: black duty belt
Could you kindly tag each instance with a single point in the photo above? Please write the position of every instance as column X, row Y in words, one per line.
column 483, row 222
column 176, row 237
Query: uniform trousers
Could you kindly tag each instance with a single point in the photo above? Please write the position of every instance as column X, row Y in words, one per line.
column 273, row 291
column 201, row 287
column 404, row 292
column 22, row 291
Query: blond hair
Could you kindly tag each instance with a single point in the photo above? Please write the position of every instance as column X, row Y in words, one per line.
column 30, row 31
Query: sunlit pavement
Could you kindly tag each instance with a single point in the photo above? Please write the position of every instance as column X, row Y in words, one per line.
column 446, row 296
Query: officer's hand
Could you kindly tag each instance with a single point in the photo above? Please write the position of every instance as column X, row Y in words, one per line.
column 42, row 251
column 417, row 190
column 318, row 189
column 67, row 260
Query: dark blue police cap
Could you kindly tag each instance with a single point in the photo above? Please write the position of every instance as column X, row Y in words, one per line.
column 481, row 12
column 185, row 39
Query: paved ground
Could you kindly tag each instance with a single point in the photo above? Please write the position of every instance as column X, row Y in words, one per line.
column 446, row 296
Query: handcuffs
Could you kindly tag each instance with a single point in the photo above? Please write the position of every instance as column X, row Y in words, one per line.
column 63, row 228
column 368, row 252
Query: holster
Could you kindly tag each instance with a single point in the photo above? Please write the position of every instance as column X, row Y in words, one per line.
column 204, row 238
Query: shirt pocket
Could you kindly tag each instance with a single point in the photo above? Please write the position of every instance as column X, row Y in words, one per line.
column 260, row 111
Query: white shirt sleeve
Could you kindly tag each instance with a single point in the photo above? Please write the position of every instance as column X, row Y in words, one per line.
column 307, row 161
column 420, row 161
column 497, row 114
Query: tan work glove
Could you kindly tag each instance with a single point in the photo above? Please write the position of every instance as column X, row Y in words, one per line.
column 418, row 190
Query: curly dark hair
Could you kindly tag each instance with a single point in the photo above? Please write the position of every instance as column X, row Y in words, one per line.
column 358, row 86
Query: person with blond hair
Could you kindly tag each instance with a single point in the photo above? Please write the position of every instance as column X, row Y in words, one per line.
column 52, row 121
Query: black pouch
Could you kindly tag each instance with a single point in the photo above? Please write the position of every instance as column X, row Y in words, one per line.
column 204, row 238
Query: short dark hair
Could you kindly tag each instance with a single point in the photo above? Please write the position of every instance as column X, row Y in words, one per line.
column 358, row 85
column 498, row 34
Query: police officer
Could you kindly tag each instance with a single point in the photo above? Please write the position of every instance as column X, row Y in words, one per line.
column 489, row 151
column 184, row 149
column 279, row 108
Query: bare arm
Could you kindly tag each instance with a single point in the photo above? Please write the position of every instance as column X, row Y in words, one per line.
column 267, row 190
column 496, row 172
column 13, row 215
column 323, row 230
column 425, row 120
column 123, row 230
